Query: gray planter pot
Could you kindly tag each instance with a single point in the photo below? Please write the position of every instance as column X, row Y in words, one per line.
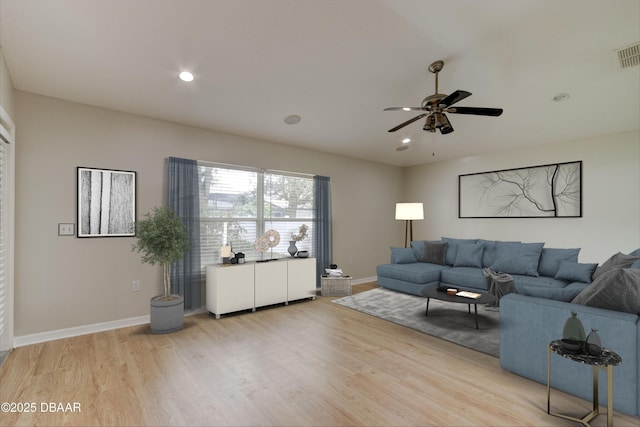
column 167, row 315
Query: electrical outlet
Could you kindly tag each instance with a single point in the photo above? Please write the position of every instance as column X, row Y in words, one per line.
column 135, row 287
column 65, row 229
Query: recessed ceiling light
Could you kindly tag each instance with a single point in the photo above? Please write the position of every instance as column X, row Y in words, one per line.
column 406, row 140
column 292, row 119
column 561, row 97
column 406, row 109
column 186, row 76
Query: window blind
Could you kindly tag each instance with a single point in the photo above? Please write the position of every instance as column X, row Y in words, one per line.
column 237, row 205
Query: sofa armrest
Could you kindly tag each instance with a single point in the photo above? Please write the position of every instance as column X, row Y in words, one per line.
column 529, row 324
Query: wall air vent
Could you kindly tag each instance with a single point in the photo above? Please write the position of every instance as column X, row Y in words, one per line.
column 629, row 56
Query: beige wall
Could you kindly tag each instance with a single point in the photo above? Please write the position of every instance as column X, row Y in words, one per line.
column 611, row 197
column 64, row 282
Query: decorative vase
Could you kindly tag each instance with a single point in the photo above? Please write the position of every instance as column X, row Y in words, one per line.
column 293, row 250
column 573, row 329
column 594, row 344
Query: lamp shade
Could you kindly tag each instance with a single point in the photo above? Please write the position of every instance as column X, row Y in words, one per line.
column 409, row 211
column 225, row 251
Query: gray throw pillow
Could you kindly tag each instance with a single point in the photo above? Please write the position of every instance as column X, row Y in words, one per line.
column 618, row 260
column 469, row 255
column 434, row 253
column 617, row 289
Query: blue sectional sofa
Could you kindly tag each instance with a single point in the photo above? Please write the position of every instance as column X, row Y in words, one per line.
column 546, row 281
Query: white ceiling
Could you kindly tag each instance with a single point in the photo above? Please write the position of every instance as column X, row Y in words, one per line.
column 338, row 63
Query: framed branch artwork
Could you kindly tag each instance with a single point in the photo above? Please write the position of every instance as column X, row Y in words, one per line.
column 547, row 191
column 106, row 203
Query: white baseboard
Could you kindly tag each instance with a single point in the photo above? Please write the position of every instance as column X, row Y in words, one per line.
column 21, row 341
column 364, row 280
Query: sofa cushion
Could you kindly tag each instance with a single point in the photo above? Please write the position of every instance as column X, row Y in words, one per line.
column 464, row 277
column 617, row 289
column 575, row 271
column 517, row 258
column 489, row 252
column 551, row 257
column 452, row 249
column 418, row 272
column 434, row 253
column 555, row 289
column 402, row 256
column 618, row 260
column 469, row 255
column 418, row 247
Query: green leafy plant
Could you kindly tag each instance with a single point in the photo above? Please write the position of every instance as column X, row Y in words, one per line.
column 162, row 239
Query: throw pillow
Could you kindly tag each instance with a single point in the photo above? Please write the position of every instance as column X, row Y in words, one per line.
column 489, row 252
column 618, row 260
column 616, row 289
column 452, row 249
column 469, row 255
column 518, row 258
column 551, row 258
column 434, row 253
column 575, row 272
column 636, row 264
column 402, row 256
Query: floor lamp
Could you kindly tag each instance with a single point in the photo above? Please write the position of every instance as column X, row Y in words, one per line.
column 408, row 212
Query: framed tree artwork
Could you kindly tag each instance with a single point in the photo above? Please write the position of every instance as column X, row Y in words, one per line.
column 546, row 191
column 106, row 203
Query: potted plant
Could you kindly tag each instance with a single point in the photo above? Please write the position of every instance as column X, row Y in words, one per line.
column 163, row 239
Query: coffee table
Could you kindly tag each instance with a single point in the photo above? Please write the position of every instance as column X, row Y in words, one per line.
column 429, row 293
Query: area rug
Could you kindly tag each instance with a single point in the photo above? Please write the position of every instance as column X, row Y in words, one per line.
column 448, row 321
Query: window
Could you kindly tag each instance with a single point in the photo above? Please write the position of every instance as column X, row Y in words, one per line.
column 238, row 204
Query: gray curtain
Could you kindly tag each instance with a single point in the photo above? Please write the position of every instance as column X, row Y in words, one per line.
column 184, row 199
column 323, row 227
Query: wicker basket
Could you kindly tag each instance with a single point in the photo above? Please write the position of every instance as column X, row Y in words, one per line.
column 336, row 286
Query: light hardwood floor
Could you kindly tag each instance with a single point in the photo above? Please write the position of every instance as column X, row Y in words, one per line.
column 309, row 363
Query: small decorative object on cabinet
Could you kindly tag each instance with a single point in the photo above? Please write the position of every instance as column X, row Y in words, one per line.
column 293, row 250
column 302, row 234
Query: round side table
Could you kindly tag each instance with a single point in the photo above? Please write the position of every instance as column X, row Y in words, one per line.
column 606, row 360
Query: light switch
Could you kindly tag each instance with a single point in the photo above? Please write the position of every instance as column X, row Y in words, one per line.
column 66, row 229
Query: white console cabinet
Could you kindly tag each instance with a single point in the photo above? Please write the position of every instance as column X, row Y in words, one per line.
column 256, row 284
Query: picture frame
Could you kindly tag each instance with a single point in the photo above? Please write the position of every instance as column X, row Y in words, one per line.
column 106, row 202
column 544, row 191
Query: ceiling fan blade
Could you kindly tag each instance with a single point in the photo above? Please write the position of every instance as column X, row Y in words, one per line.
column 495, row 112
column 404, row 109
column 456, row 96
column 408, row 122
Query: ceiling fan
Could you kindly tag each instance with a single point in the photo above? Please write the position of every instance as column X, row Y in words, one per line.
column 434, row 107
